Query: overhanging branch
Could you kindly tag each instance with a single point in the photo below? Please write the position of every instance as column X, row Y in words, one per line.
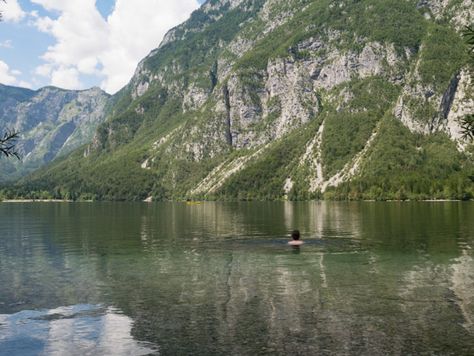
column 8, row 143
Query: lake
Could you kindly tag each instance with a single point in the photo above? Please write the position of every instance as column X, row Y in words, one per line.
column 219, row 278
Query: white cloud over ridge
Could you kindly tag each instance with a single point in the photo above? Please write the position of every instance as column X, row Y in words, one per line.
column 9, row 76
column 6, row 76
column 88, row 44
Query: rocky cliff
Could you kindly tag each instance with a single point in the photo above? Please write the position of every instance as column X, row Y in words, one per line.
column 265, row 99
column 52, row 122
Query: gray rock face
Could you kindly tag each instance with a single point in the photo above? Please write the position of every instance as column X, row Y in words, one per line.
column 264, row 106
column 447, row 107
column 459, row 13
column 461, row 104
column 51, row 123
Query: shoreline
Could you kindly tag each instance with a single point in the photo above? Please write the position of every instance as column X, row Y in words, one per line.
column 204, row 201
column 36, row 201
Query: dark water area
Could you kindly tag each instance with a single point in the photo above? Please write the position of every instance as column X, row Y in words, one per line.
column 219, row 278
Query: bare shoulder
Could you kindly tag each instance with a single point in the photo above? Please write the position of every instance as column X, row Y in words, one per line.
column 295, row 243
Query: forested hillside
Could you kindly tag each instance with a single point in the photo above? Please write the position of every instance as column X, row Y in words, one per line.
column 296, row 99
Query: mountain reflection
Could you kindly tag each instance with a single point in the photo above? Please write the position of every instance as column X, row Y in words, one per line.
column 214, row 278
column 462, row 285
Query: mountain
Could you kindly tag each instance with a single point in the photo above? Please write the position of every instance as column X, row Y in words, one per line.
column 297, row 99
column 52, row 122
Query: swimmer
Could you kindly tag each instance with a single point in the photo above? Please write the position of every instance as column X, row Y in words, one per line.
column 295, row 235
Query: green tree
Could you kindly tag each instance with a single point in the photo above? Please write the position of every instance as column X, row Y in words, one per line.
column 1, row 13
column 469, row 36
column 467, row 122
column 8, row 144
column 9, row 139
column 467, row 125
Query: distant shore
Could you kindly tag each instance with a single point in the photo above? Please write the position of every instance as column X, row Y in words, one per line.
column 200, row 202
column 36, row 201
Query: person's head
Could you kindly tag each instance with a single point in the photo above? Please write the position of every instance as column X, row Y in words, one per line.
column 295, row 235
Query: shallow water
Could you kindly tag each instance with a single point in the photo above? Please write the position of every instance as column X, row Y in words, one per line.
column 219, row 278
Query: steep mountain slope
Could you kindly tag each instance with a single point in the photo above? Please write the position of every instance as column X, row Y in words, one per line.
column 51, row 122
column 265, row 99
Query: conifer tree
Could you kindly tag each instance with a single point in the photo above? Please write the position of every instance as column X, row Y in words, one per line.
column 9, row 138
column 467, row 122
column 1, row 13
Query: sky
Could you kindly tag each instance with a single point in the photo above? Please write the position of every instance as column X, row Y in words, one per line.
column 78, row 44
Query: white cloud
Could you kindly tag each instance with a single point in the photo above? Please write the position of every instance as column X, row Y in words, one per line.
column 6, row 44
column 66, row 78
column 24, row 84
column 12, row 11
column 9, row 76
column 87, row 44
column 6, row 76
column 44, row 70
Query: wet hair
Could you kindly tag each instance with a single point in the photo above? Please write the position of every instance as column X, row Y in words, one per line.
column 295, row 235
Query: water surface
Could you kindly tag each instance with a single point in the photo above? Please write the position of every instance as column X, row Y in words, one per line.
column 218, row 278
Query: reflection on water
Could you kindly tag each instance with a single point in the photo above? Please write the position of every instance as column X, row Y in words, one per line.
column 80, row 329
column 372, row 278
